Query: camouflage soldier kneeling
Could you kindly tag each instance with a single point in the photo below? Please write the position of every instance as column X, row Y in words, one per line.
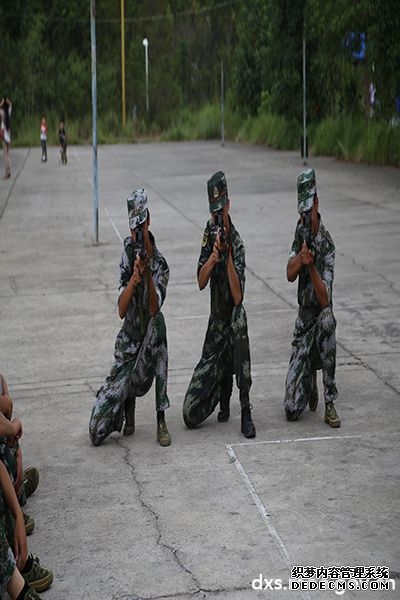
column 141, row 353
column 312, row 261
column 226, row 347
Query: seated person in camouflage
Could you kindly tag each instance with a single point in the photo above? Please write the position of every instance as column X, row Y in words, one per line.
column 312, row 261
column 25, row 482
column 226, row 348
column 21, row 575
column 140, row 354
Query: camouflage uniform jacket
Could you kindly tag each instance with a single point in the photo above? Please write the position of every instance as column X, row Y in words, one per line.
column 324, row 259
column 220, row 293
column 137, row 316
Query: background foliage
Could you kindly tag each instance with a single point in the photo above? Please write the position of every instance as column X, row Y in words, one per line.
column 46, row 67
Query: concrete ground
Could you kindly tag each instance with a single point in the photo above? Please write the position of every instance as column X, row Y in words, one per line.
column 214, row 512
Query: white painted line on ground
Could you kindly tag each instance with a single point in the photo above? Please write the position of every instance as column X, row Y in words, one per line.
column 114, row 225
column 264, row 514
column 256, row 498
column 315, row 439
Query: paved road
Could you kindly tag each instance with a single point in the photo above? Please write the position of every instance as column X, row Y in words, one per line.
column 206, row 516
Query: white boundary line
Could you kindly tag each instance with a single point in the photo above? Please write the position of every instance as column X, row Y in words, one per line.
column 264, row 514
column 283, row 551
column 316, row 439
column 113, row 225
column 261, row 508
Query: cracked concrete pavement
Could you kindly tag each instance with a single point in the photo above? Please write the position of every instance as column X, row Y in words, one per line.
column 205, row 517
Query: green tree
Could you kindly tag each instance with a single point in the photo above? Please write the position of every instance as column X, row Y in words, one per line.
column 251, row 75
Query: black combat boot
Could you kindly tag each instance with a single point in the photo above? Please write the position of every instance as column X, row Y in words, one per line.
column 129, row 427
column 247, row 428
column 226, row 392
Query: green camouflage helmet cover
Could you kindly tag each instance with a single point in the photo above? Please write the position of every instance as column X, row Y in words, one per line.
column 306, row 190
column 137, row 207
column 217, row 191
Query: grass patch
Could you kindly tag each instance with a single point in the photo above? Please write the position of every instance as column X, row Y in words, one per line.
column 271, row 130
column 350, row 138
column 358, row 139
column 204, row 124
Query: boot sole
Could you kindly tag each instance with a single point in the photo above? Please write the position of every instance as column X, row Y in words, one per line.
column 164, row 443
column 29, row 528
column 31, row 480
column 42, row 584
column 332, row 423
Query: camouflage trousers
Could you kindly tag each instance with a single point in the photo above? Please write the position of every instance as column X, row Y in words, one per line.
column 7, row 560
column 135, row 367
column 226, row 351
column 313, row 347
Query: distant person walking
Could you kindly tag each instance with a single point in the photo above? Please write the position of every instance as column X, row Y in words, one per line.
column 5, row 133
column 43, row 138
column 62, row 138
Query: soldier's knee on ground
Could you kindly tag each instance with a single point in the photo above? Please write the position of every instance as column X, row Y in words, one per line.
column 98, row 430
column 188, row 419
column 95, row 437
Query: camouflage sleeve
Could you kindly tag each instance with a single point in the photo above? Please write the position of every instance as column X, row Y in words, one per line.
column 206, row 247
column 328, row 271
column 295, row 249
column 239, row 260
column 160, row 280
column 124, row 272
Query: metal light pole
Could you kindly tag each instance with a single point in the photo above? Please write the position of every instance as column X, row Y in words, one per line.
column 146, row 61
column 123, row 62
column 304, row 104
column 222, row 105
column 94, row 122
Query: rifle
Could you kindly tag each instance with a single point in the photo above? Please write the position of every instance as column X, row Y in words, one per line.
column 219, row 230
column 140, row 249
column 219, row 224
column 142, row 307
column 306, row 231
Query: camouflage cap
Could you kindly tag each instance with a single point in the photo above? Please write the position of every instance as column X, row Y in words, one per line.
column 137, row 207
column 306, row 189
column 217, row 191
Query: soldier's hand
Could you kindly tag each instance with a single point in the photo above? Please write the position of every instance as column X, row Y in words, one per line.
column 214, row 256
column 136, row 274
column 142, row 265
column 222, row 246
column 307, row 257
